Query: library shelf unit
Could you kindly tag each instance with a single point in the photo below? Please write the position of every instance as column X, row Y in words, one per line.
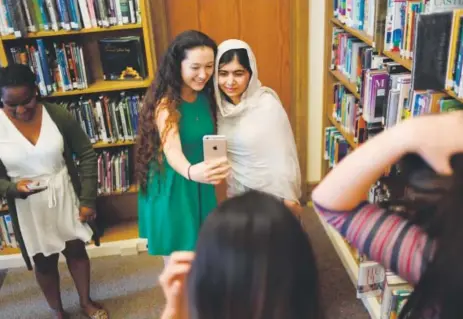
column 331, row 77
column 351, row 266
column 118, row 209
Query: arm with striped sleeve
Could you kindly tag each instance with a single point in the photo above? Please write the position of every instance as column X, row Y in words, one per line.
column 385, row 238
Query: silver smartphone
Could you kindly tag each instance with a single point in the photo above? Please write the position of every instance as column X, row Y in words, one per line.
column 37, row 186
column 215, row 146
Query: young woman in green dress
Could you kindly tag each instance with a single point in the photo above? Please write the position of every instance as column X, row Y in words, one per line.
column 176, row 184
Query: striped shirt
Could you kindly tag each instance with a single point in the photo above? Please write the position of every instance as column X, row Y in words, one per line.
column 383, row 237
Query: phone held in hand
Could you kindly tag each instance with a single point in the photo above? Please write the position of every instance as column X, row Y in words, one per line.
column 37, row 186
column 215, row 146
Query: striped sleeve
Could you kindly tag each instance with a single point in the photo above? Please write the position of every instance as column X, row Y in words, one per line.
column 385, row 238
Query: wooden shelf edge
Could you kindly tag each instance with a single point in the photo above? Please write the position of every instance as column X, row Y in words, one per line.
column 104, row 86
column 345, row 81
column 338, row 126
column 9, row 251
column 454, row 95
column 352, row 269
column 406, row 63
column 356, row 33
column 43, row 34
column 99, row 145
column 133, row 189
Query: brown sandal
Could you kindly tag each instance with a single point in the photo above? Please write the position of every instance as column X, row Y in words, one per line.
column 99, row 314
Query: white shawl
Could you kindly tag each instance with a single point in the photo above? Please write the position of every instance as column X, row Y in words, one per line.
column 261, row 147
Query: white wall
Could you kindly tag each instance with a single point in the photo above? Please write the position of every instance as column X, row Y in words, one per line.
column 316, row 63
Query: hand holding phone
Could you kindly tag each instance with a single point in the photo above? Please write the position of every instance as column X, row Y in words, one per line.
column 211, row 172
column 36, row 186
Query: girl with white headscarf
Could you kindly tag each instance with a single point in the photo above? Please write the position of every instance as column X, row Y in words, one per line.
column 261, row 147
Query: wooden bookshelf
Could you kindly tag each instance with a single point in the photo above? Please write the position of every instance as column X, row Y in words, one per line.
column 44, row 34
column 349, row 138
column 356, row 33
column 345, row 255
column 345, row 81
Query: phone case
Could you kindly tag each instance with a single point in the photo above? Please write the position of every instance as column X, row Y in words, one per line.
column 215, row 146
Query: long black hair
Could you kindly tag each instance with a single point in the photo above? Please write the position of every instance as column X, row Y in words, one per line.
column 436, row 205
column 167, row 88
column 253, row 261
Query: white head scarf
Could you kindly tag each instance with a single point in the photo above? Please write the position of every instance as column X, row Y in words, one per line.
column 255, row 89
column 261, row 147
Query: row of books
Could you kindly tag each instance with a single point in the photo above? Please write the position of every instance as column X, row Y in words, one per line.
column 358, row 14
column 384, row 87
column 60, row 66
column 19, row 17
column 114, row 171
column 336, row 146
column 107, row 118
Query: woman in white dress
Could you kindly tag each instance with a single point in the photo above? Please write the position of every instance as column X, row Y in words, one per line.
column 37, row 143
column 261, row 147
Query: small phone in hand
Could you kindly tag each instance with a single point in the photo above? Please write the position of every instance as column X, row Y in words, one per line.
column 37, row 186
column 215, row 146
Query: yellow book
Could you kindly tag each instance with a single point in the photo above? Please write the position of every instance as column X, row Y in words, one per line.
column 434, row 103
column 457, row 15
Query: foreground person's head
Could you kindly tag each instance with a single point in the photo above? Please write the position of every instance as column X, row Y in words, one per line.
column 253, row 261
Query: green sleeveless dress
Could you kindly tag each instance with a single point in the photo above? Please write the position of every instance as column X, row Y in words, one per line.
column 173, row 209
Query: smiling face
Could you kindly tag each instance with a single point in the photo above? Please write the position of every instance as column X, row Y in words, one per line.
column 197, row 67
column 19, row 102
column 233, row 79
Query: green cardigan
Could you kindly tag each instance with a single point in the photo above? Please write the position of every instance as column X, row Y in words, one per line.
column 84, row 179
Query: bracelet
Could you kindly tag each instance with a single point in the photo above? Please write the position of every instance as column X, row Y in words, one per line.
column 189, row 177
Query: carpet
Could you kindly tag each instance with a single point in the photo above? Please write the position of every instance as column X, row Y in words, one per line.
column 128, row 288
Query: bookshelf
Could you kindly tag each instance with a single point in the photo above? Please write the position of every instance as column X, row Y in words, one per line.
column 117, row 208
column 350, row 264
column 374, row 80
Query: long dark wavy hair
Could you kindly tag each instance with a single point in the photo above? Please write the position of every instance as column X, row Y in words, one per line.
column 435, row 203
column 166, row 89
column 253, row 261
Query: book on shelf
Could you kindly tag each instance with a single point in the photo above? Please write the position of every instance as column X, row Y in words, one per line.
column 7, row 235
column 336, row 146
column 107, row 118
column 122, row 58
column 432, row 46
column 114, row 171
column 383, row 94
column 357, row 14
column 18, row 17
column 401, row 18
column 394, row 295
column 58, row 66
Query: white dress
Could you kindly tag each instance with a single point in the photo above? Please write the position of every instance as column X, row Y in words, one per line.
column 49, row 218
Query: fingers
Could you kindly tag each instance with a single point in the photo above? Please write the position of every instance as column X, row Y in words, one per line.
column 217, row 162
column 221, row 170
column 178, row 267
